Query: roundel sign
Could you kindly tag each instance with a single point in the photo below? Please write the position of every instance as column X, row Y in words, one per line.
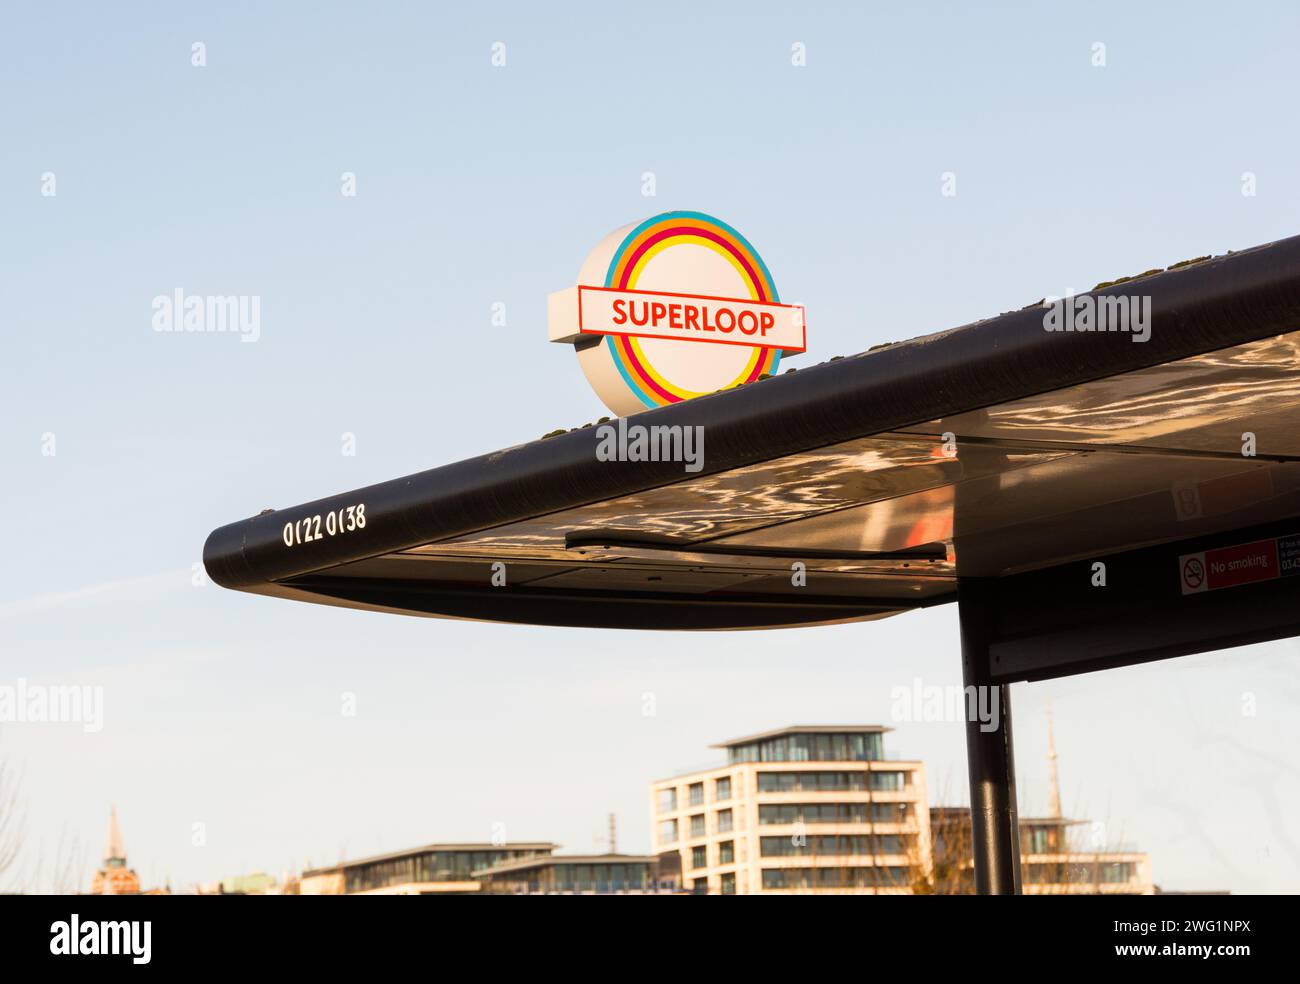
column 674, row 307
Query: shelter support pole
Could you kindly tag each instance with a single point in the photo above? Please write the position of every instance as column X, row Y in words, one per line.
column 995, row 829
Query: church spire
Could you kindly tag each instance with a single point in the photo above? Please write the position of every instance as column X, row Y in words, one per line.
column 1053, row 783
column 114, row 849
column 115, row 878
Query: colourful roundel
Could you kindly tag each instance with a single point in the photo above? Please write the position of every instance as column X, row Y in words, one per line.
column 672, row 229
column 686, row 307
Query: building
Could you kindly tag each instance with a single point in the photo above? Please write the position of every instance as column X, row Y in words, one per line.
column 114, row 877
column 602, row 874
column 1053, row 862
column 804, row 809
column 1054, row 865
column 254, row 883
column 435, row 869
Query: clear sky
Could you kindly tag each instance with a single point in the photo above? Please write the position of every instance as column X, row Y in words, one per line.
column 479, row 184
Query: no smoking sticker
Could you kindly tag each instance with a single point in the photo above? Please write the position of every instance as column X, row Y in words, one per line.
column 1244, row 563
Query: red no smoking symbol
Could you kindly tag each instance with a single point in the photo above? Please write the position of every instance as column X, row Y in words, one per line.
column 1193, row 572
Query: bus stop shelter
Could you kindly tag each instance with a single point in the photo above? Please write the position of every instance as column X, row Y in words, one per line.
column 1088, row 501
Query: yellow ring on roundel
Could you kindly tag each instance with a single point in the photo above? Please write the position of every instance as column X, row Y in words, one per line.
column 634, row 342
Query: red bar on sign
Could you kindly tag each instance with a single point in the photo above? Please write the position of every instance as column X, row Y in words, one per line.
column 1230, row 566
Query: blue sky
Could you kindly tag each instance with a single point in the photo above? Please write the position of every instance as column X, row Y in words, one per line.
column 479, row 185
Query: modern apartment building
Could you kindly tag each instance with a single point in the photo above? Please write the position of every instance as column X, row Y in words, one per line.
column 435, row 869
column 804, row 809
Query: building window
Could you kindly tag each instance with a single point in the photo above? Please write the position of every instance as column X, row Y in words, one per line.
column 1113, row 872
column 697, row 825
column 699, row 857
column 728, row 884
column 889, row 812
column 889, row 844
column 887, row 780
column 727, row 852
column 667, row 831
column 1039, row 840
column 811, row 782
column 832, row 845
column 1048, row 874
column 667, row 800
column 724, row 821
column 696, row 793
column 834, row 877
column 778, row 813
column 811, row 748
column 722, row 788
column 784, row 813
column 822, row 781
